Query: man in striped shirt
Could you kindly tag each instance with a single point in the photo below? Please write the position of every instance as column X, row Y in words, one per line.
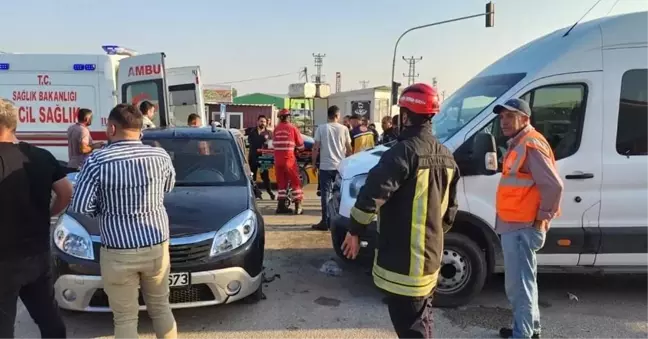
column 123, row 185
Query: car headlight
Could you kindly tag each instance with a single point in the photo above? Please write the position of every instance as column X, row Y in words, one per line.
column 235, row 233
column 72, row 238
column 356, row 184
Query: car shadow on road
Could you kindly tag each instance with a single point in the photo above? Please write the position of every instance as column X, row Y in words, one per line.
column 298, row 297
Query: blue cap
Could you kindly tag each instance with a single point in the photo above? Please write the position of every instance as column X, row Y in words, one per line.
column 515, row 105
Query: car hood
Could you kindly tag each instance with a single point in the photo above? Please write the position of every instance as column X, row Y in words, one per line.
column 193, row 210
column 361, row 163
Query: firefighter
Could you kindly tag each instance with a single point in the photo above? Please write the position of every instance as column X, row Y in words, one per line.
column 286, row 137
column 413, row 191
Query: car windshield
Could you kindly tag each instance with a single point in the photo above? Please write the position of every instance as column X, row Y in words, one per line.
column 467, row 102
column 203, row 162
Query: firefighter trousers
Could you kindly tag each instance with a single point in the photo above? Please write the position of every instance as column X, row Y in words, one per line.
column 287, row 173
column 410, row 316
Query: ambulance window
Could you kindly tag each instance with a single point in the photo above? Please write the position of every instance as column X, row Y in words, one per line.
column 557, row 111
column 149, row 90
column 182, row 95
column 632, row 127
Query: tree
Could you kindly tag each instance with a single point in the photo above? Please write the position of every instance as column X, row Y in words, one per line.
column 234, row 93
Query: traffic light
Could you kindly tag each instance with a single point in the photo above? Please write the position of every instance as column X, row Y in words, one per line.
column 394, row 93
column 490, row 14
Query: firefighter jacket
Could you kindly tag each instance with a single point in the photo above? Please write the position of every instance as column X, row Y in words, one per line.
column 284, row 140
column 413, row 191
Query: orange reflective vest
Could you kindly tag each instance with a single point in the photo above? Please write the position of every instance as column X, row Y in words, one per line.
column 518, row 197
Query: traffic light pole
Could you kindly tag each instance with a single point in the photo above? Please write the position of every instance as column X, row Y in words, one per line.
column 393, row 96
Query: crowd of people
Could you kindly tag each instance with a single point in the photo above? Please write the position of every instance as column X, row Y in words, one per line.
column 412, row 191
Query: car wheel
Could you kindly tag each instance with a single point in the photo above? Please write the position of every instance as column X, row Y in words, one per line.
column 337, row 237
column 463, row 271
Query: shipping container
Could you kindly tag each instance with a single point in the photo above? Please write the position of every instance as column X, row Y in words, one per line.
column 241, row 116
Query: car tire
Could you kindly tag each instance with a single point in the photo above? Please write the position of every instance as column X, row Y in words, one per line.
column 463, row 271
column 337, row 238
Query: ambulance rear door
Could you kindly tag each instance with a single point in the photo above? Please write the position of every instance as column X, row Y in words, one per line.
column 141, row 78
column 185, row 93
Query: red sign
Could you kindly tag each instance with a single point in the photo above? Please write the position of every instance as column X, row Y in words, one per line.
column 144, row 70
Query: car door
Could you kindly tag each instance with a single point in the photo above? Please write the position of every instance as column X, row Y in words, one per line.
column 567, row 109
column 142, row 77
column 624, row 218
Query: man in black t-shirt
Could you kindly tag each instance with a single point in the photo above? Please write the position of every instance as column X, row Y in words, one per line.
column 28, row 175
column 257, row 138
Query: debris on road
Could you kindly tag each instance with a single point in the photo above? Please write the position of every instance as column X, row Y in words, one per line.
column 572, row 297
column 331, row 268
column 269, row 279
column 324, row 301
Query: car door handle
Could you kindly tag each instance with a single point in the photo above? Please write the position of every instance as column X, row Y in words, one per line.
column 579, row 176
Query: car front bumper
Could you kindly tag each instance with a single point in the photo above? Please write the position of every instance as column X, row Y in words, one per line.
column 339, row 225
column 85, row 292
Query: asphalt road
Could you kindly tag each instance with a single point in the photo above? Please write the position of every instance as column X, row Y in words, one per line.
column 304, row 303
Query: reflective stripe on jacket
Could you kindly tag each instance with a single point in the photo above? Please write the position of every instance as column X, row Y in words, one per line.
column 518, row 197
column 416, row 179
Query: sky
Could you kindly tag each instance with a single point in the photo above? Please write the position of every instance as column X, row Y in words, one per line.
column 246, row 39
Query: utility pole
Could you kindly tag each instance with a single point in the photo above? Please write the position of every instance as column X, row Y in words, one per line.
column 364, row 83
column 303, row 74
column 318, row 66
column 338, row 82
column 411, row 74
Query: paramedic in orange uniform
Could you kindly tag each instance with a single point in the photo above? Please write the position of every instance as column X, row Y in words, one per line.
column 528, row 198
column 286, row 137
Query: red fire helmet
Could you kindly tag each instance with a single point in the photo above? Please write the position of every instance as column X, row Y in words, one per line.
column 420, row 99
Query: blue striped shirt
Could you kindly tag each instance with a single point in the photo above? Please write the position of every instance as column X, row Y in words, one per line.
column 123, row 185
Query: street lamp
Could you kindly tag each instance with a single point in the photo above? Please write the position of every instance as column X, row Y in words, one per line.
column 490, row 22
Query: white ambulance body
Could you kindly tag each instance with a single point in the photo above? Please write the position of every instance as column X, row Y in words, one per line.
column 185, row 94
column 49, row 90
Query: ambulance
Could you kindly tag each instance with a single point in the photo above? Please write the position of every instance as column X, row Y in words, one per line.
column 49, row 90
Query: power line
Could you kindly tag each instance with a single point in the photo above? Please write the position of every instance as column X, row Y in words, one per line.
column 611, row 8
column 579, row 20
column 411, row 74
column 260, row 78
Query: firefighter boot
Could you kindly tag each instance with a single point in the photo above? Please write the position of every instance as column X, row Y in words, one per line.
column 282, row 207
column 298, row 208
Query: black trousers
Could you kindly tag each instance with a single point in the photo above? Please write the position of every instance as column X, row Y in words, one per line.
column 411, row 317
column 265, row 176
column 29, row 278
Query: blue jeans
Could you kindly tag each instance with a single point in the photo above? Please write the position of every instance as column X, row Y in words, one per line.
column 521, row 268
column 326, row 179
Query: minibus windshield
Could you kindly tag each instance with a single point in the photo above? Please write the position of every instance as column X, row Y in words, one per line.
column 470, row 100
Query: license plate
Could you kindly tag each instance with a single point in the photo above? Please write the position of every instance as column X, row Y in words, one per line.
column 179, row 279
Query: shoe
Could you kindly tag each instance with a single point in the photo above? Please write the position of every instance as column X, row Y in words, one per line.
column 282, row 207
column 320, row 226
column 298, row 208
column 506, row 332
column 272, row 196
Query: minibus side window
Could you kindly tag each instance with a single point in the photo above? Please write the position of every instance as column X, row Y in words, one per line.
column 632, row 128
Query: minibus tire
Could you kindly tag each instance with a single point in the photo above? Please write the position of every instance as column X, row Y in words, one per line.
column 463, row 271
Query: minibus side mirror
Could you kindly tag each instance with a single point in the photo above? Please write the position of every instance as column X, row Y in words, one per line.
column 484, row 154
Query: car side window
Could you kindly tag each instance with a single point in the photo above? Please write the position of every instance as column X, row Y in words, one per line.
column 632, row 126
column 557, row 111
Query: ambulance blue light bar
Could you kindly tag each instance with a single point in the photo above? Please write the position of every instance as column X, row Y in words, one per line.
column 84, row 67
column 118, row 50
column 4, row 66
